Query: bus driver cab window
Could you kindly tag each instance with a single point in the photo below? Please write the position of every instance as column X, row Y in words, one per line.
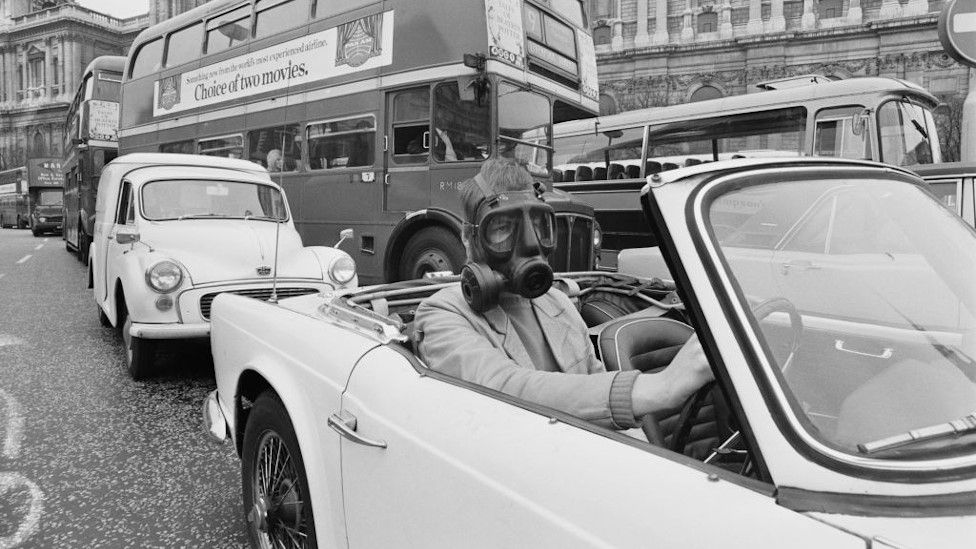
column 461, row 127
column 411, row 126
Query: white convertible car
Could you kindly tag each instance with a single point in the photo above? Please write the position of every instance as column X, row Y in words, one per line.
column 172, row 231
column 832, row 423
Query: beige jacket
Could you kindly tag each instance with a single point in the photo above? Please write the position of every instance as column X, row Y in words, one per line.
column 486, row 349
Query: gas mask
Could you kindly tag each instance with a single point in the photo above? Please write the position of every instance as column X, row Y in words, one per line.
column 514, row 233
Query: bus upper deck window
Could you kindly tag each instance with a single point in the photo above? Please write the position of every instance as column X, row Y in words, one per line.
column 184, row 45
column 148, row 59
column 274, row 16
column 229, row 29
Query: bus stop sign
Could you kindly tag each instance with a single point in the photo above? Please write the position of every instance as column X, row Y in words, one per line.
column 957, row 30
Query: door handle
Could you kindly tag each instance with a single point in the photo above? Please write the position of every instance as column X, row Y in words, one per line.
column 799, row 265
column 344, row 423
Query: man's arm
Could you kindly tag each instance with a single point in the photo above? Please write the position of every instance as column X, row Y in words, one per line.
column 453, row 345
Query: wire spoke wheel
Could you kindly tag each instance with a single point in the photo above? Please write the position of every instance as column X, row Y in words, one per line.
column 278, row 499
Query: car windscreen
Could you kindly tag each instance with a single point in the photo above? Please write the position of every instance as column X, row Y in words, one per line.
column 50, row 197
column 200, row 198
column 879, row 276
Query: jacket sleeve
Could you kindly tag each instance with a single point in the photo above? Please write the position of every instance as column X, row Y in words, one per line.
column 453, row 345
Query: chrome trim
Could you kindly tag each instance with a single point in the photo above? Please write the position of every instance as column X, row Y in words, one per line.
column 169, row 331
column 214, row 422
column 368, row 323
column 714, row 256
column 344, row 423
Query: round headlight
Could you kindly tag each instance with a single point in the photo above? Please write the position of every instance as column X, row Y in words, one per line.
column 43, row 220
column 343, row 269
column 164, row 276
column 597, row 237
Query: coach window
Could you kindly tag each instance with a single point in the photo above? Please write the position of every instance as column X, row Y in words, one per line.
column 344, row 143
column 229, row 29
column 326, row 8
column 184, row 45
column 411, row 126
column 179, row 147
column 278, row 149
column 274, row 16
column 229, row 146
column 835, row 135
column 460, row 126
column 148, row 59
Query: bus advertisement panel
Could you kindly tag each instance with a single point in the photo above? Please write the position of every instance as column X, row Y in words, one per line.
column 90, row 142
column 370, row 114
column 45, row 195
column 13, row 198
column 606, row 161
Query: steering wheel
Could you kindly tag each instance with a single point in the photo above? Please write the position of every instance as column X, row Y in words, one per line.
column 693, row 405
column 783, row 305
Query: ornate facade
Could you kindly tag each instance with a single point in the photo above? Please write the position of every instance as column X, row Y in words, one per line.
column 666, row 52
column 45, row 46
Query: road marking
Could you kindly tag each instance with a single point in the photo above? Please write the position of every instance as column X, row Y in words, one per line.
column 39, row 246
column 3, row 275
column 14, row 429
column 9, row 483
column 6, row 340
column 45, row 240
column 23, row 259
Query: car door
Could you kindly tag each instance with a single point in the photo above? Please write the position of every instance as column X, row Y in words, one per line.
column 123, row 220
column 434, row 462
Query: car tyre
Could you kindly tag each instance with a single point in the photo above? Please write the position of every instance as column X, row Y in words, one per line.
column 432, row 249
column 103, row 318
column 139, row 352
column 271, row 452
column 83, row 244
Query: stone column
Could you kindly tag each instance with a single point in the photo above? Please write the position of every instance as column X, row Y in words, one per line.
column 725, row 20
column 4, row 77
column 755, row 25
column 642, row 39
column 49, row 90
column 75, row 66
column 62, row 84
column 890, row 9
column 617, row 36
column 661, row 23
column 687, row 32
column 854, row 14
column 777, row 23
column 809, row 20
column 20, row 70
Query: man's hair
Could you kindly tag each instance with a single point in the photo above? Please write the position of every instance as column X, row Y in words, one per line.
column 499, row 174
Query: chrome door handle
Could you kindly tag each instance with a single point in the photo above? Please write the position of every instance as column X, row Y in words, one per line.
column 885, row 354
column 800, row 265
column 110, row 236
column 345, row 425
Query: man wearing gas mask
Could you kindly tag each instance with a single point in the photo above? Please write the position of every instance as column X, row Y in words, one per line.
column 506, row 328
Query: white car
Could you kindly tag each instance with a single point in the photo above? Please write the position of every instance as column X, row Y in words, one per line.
column 822, row 430
column 173, row 231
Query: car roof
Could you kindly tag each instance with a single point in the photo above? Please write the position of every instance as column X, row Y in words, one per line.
column 743, row 164
column 138, row 173
column 957, row 169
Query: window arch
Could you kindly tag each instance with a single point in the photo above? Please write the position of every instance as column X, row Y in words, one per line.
column 39, row 146
column 608, row 105
column 601, row 9
column 704, row 93
column 602, row 35
column 828, row 9
column 707, row 22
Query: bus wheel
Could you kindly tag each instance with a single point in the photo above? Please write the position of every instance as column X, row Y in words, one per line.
column 431, row 249
column 138, row 352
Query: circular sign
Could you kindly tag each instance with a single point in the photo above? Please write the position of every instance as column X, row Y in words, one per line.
column 957, row 30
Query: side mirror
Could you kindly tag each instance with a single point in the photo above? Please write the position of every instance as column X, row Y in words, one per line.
column 126, row 237
column 344, row 235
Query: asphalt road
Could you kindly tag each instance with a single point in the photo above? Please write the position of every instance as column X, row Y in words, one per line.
column 88, row 457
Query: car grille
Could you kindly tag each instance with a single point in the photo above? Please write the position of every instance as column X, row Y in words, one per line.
column 257, row 293
column 574, row 244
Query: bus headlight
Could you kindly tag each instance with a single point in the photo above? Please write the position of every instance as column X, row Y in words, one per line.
column 343, row 269
column 164, row 276
column 43, row 220
column 597, row 236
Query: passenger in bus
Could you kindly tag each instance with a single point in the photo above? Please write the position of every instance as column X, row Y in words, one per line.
column 505, row 327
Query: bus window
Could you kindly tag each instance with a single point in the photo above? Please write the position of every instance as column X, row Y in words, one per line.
column 108, row 86
column 411, row 126
column 184, row 45
column 342, row 143
column 179, row 147
column 274, row 16
column 321, row 8
column 148, row 59
column 908, row 134
column 89, row 86
column 834, row 135
column 229, row 29
column 278, row 149
column 461, row 128
column 612, row 154
column 524, row 123
column 230, row 146
column 777, row 132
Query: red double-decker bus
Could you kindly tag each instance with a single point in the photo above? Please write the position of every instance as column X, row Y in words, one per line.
column 371, row 113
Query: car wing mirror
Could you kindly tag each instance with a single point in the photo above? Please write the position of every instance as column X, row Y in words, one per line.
column 126, row 237
column 344, row 235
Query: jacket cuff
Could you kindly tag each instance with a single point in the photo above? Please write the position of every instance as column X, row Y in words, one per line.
column 621, row 399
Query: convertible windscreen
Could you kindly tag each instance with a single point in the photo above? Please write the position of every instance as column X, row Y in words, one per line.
column 862, row 295
column 188, row 199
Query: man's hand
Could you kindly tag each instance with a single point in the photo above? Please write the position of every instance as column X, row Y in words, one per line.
column 668, row 389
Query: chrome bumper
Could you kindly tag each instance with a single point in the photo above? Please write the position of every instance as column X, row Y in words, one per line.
column 214, row 422
column 170, row 331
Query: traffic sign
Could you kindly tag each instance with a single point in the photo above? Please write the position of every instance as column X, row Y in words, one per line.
column 957, row 30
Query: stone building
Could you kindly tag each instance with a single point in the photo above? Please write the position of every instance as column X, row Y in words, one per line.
column 45, row 46
column 666, row 52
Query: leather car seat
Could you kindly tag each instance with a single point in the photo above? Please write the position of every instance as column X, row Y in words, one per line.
column 584, row 173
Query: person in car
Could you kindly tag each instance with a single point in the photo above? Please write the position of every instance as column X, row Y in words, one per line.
column 506, row 328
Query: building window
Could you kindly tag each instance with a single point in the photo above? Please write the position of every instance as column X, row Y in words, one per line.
column 602, row 9
column 707, row 22
column 705, row 93
column 57, row 77
column 830, row 9
column 36, row 72
column 602, row 35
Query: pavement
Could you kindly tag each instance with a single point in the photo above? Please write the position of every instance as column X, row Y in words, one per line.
column 88, row 457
